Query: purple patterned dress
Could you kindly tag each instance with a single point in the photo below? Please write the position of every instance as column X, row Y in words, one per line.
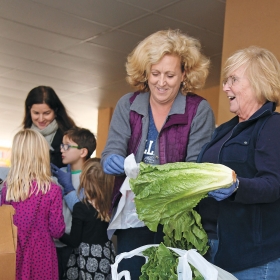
column 39, row 219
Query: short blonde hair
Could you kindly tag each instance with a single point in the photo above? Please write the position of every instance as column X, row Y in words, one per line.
column 262, row 70
column 30, row 162
column 152, row 49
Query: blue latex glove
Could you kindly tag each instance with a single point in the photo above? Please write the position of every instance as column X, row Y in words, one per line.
column 64, row 178
column 224, row 193
column 114, row 165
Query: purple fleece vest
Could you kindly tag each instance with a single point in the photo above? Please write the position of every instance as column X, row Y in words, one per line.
column 173, row 137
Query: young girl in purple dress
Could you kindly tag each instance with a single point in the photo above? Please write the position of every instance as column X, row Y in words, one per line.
column 94, row 252
column 38, row 206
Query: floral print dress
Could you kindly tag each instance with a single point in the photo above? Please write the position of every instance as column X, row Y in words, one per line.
column 94, row 252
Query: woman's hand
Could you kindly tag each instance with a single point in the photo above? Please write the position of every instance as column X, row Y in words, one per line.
column 114, row 165
column 224, row 193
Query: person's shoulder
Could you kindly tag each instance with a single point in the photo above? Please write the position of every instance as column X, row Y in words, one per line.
column 123, row 104
column 124, row 101
column 203, row 103
column 274, row 119
column 270, row 129
column 270, row 126
column 125, row 98
column 275, row 115
column 79, row 204
column 204, row 107
column 80, row 207
column 55, row 187
column 58, row 134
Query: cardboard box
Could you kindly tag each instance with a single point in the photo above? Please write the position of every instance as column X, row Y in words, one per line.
column 8, row 242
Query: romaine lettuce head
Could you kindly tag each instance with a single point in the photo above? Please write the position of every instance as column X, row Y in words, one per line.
column 166, row 194
column 162, row 191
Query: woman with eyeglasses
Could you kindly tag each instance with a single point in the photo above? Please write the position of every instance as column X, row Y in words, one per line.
column 247, row 231
column 45, row 113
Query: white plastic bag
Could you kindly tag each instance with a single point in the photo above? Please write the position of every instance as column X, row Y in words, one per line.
column 126, row 216
column 207, row 270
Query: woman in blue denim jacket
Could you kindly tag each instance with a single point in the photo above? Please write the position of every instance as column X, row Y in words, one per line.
column 248, row 228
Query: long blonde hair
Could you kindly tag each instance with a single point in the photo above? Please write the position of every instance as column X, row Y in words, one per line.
column 30, row 164
column 98, row 187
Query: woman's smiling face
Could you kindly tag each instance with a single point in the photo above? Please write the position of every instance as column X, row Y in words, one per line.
column 165, row 79
column 242, row 98
column 42, row 115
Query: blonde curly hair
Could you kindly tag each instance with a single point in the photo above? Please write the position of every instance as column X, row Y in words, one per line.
column 173, row 42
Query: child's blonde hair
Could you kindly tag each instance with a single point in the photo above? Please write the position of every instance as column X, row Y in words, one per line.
column 98, row 187
column 30, row 163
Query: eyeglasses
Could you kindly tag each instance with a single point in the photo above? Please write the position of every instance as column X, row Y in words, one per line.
column 231, row 80
column 66, row 147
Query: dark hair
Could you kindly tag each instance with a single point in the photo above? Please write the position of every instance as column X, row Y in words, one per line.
column 83, row 137
column 46, row 95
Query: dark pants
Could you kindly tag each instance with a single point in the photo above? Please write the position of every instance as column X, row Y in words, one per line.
column 130, row 239
column 63, row 254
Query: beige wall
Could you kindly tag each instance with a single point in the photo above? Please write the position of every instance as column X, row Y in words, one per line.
column 5, row 156
column 104, row 118
column 212, row 96
column 248, row 22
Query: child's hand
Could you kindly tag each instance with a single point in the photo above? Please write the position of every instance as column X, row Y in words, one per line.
column 64, row 178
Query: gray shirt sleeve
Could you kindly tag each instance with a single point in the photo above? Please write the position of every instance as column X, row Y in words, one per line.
column 202, row 128
column 119, row 131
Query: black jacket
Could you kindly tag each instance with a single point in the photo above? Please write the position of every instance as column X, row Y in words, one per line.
column 249, row 220
column 56, row 154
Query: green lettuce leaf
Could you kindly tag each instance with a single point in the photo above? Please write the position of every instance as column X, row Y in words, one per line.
column 162, row 264
column 166, row 194
column 185, row 231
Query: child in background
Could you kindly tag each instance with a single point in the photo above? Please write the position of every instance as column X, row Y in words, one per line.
column 94, row 252
column 77, row 146
column 38, row 206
